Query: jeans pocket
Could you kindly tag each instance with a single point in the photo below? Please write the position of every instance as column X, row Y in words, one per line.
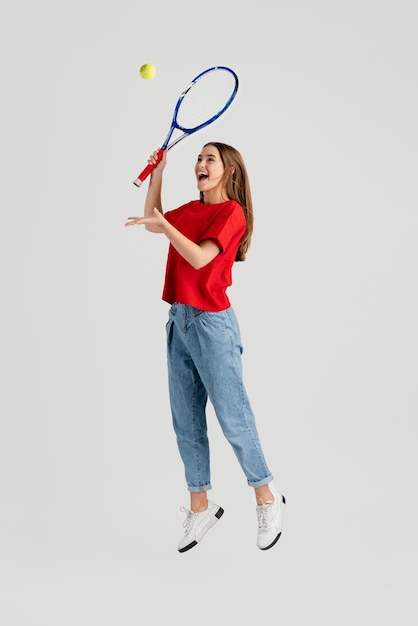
column 215, row 319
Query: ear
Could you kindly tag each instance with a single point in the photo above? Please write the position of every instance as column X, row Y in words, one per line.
column 231, row 170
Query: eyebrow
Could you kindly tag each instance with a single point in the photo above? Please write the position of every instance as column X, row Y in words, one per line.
column 208, row 155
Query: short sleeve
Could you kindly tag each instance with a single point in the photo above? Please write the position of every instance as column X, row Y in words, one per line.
column 226, row 226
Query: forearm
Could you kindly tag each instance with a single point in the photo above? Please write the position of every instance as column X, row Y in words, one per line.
column 198, row 255
column 153, row 197
column 153, row 200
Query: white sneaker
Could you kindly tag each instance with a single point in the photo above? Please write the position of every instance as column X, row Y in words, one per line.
column 198, row 524
column 270, row 521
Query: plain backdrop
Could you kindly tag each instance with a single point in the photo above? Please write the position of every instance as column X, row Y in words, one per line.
column 91, row 481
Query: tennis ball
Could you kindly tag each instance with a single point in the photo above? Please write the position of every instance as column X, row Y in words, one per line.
column 147, row 71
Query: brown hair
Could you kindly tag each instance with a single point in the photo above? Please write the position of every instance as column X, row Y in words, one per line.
column 237, row 187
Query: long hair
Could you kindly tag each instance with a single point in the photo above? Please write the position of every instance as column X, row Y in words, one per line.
column 237, row 187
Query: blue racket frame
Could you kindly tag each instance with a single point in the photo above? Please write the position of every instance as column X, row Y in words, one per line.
column 188, row 131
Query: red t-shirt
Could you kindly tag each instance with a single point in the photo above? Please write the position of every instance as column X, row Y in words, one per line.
column 206, row 287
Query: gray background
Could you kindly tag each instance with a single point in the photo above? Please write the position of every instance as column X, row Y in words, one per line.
column 90, row 476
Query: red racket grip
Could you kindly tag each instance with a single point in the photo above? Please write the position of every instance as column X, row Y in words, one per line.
column 148, row 169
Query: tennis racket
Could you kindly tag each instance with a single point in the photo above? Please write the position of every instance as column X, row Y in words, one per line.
column 201, row 103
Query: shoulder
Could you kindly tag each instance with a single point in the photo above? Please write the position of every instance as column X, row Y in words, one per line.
column 233, row 210
column 234, row 207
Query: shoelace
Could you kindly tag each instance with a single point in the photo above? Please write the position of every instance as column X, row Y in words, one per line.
column 190, row 517
column 264, row 514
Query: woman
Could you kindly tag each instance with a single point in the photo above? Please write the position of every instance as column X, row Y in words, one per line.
column 203, row 339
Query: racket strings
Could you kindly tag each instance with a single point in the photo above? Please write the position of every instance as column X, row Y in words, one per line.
column 206, row 99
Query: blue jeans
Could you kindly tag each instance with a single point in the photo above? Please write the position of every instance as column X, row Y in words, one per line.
column 204, row 361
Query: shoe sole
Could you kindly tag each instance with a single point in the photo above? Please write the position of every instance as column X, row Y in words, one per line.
column 194, row 543
column 272, row 543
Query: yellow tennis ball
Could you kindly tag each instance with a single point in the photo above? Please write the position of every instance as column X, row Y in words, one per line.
column 147, row 71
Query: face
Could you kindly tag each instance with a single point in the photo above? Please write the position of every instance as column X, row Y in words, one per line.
column 209, row 171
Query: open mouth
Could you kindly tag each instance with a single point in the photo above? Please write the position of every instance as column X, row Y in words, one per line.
column 202, row 176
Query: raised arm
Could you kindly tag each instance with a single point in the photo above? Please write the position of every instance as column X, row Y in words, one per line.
column 153, row 197
column 198, row 255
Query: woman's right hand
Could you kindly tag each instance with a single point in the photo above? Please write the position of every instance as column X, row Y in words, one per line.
column 154, row 158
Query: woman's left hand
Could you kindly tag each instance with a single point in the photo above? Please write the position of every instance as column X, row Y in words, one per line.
column 155, row 221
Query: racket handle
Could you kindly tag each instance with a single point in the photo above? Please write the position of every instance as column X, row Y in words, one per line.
column 148, row 169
